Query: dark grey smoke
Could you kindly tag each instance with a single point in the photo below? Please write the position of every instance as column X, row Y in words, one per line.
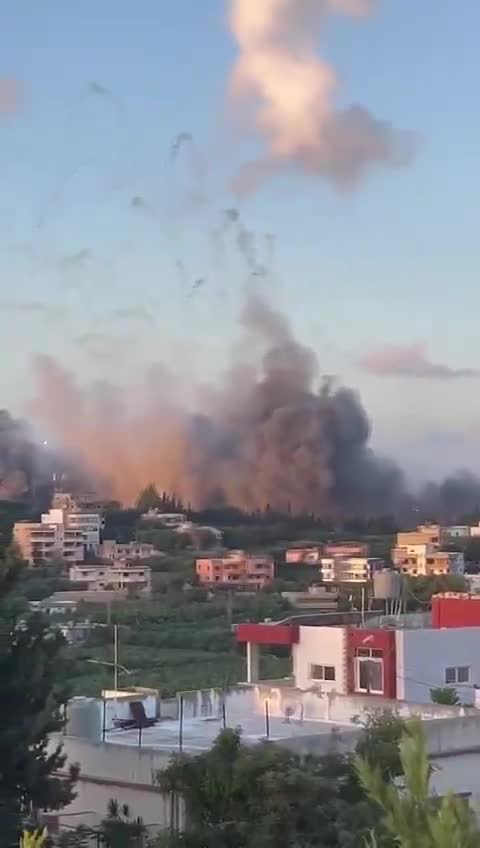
column 286, row 438
column 273, row 433
column 17, row 459
column 453, row 498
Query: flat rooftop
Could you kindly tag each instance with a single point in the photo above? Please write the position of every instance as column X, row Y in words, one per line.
column 199, row 734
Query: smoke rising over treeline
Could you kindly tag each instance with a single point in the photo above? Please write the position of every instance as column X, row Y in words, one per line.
column 272, row 433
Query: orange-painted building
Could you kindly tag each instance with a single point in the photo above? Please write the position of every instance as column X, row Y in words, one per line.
column 236, row 569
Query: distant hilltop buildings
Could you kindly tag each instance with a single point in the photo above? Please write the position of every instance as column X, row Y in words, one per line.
column 421, row 553
column 343, row 562
column 69, row 534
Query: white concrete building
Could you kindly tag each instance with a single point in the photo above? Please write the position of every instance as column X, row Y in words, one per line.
column 117, row 552
column 61, row 533
column 399, row 658
column 458, row 531
column 123, row 765
column 112, row 577
column 349, row 569
column 90, row 524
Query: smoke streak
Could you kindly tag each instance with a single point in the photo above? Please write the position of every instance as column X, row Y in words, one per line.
column 410, row 361
column 290, row 96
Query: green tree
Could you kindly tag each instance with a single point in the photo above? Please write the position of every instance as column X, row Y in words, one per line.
column 420, row 589
column 379, row 743
column 149, row 499
column 447, row 695
column 32, row 671
column 313, row 802
column 411, row 815
column 119, row 829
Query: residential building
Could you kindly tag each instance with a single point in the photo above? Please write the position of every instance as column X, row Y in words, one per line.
column 45, row 541
column 412, row 556
column 426, row 561
column 237, row 569
column 91, row 525
column 62, row 533
column 303, row 555
column 349, row 569
column 419, row 553
column 473, row 583
column 79, row 595
column 121, row 764
column 116, row 551
column 170, row 520
column 346, row 549
column 391, row 660
column 120, row 575
column 425, row 534
column 60, row 603
column 459, row 531
column 317, row 598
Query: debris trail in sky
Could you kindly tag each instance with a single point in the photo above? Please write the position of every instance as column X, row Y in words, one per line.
column 188, row 188
column 195, row 287
column 181, row 139
column 244, row 239
column 94, row 92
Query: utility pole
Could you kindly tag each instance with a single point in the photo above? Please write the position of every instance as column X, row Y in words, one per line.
column 115, row 657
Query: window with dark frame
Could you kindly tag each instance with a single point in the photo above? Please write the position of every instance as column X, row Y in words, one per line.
column 457, row 674
column 322, row 672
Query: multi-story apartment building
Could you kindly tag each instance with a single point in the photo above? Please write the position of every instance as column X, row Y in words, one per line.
column 90, row 524
column 44, row 541
column 425, row 534
column 237, row 569
column 346, row 549
column 100, row 577
column 304, row 555
column 116, row 551
column 60, row 533
column 425, row 561
column 349, row 569
column 418, row 553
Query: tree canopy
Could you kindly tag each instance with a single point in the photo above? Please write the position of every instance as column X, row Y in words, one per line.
column 265, row 796
column 32, row 671
column 411, row 815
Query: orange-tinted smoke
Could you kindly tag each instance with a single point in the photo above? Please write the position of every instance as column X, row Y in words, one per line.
column 271, row 433
column 289, row 93
column 10, row 96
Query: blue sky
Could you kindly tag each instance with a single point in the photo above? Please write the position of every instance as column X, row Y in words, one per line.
column 394, row 262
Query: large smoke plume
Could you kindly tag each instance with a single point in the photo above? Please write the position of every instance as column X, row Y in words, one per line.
column 291, row 91
column 273, row 433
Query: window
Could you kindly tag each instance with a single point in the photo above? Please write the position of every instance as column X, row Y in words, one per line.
column 450, row 675
column 322, row 672
column 369, row 670
column 457, row 674
column 376, row 653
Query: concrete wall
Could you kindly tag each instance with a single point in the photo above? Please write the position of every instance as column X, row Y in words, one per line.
column 427, row 653
column 125, row 773
column 320, row 646
column 318, row 705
